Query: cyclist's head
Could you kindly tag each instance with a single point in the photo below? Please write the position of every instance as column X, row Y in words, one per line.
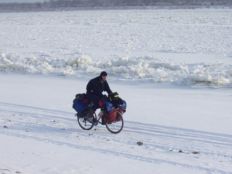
column 103, row 75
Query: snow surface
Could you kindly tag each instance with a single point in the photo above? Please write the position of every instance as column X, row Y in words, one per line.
column 39, row 132
column 178, row 47
column 173, row 67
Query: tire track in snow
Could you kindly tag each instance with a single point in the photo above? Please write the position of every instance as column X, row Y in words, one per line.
column 132, row 128
column 125, row 155
column 143, row 128
column 137, row 129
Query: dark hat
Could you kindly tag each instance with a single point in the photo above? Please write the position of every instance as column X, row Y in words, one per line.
column 103, row 73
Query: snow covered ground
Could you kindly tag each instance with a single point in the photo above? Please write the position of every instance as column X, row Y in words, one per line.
column 180, row 47
column 173, row 67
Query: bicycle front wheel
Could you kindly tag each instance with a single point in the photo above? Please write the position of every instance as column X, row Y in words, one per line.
column 116, row 126
column 86, row 123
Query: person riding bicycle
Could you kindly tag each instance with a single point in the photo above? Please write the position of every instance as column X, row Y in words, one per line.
column 96, row 87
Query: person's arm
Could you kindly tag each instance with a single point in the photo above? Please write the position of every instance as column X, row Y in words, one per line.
column 107, row 88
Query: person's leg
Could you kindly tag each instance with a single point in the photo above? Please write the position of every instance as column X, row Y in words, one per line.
column 93, row 98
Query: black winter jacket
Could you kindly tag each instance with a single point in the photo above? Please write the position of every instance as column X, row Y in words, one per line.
column 96, row 86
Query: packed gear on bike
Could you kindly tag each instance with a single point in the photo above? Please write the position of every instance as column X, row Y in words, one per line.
column 110, row 115
column 112, row 107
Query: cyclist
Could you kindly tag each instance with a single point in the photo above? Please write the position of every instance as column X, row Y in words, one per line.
column 96, row 87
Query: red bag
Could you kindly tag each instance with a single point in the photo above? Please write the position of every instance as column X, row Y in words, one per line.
column 112, row 116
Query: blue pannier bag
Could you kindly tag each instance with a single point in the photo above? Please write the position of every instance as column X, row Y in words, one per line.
column 80, row 103
column 79, row 106
column 109, row 106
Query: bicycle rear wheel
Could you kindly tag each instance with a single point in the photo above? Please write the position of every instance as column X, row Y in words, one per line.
column 116, row 126
column 86, row 122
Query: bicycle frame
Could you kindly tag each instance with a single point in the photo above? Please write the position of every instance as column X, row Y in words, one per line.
column 114, row 126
